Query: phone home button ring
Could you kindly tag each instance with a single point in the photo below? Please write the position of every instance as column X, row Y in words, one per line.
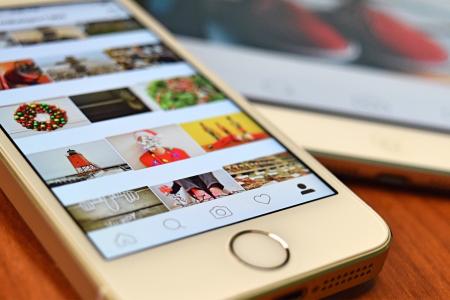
column 260, row 249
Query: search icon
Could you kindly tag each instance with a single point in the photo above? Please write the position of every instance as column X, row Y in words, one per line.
column 172, row 224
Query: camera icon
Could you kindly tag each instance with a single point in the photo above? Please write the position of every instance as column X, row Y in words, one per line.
column 220, row 212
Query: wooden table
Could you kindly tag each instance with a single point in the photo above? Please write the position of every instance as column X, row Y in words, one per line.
column 417, row 266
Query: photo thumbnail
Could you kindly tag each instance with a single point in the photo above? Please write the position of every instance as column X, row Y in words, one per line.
column 110, row 104
column 25, row 119
column 138, row 57
column 224, row 131
column 266, row 170
column 78, row 66
column 21, row 73
column 47, row 34
column 197, row 189
column 6, row 41
column 77, row 163
column 148, row 148
column 106, row 27
column 182, row 92
column 116, row 209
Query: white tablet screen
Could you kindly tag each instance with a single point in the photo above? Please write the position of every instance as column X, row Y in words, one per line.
column 384, row 60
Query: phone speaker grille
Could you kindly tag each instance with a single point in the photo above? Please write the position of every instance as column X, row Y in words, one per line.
column 343, row 278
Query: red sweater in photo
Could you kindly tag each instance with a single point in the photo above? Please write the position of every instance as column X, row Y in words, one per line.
column 150, row 159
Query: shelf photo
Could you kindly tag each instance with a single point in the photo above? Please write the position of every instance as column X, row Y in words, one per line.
column 138, row 57
column 267, row 170
column 42, row 35
column 106, row 27
column 78, row 65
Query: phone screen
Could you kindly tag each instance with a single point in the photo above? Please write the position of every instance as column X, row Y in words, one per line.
column 138, row 146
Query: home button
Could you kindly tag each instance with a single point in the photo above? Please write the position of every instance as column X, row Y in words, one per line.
column 260, row 249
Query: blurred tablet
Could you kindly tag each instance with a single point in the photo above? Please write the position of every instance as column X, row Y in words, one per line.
column 370, row 78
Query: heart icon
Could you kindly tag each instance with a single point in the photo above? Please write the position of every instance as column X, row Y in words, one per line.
column 263, row 199
column 123, row 240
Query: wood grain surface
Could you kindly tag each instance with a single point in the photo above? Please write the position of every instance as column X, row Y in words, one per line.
column 417, row 266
